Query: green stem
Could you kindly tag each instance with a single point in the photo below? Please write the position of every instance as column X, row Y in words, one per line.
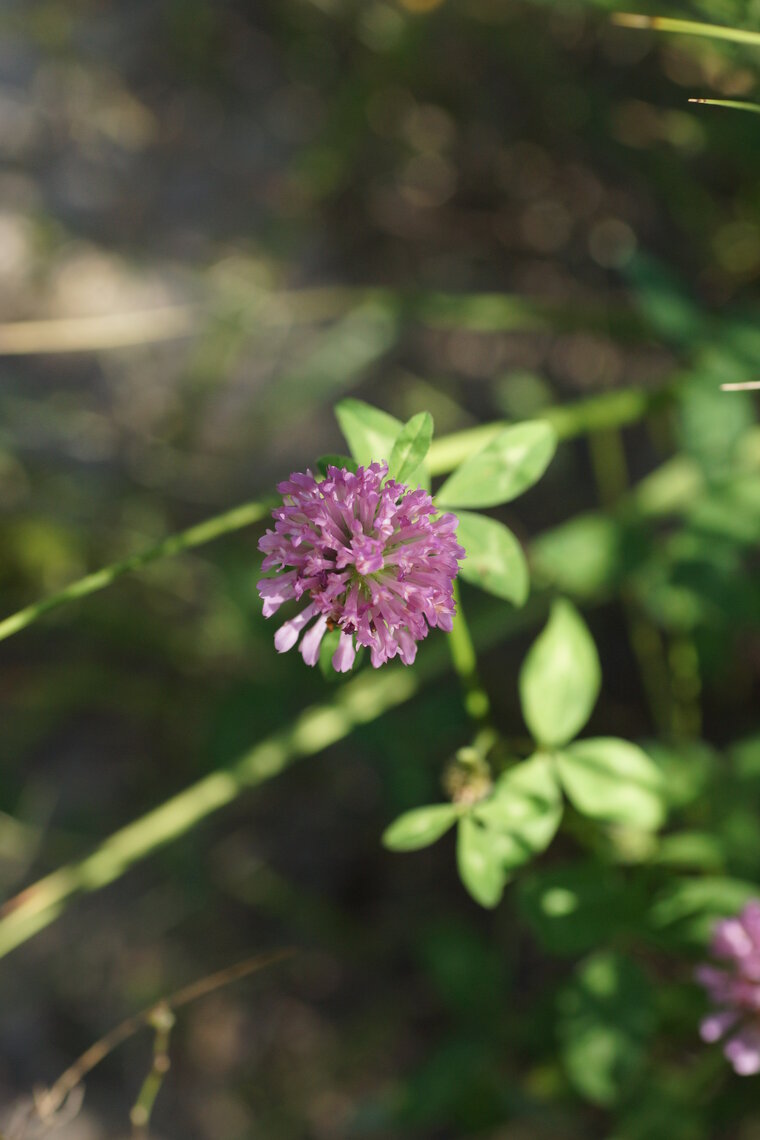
column 687, row 27
column 360, row 701
column 610, row 410
column 754, row 108
column 465, row 661
column 162, row 1020
column 204, row 532
column 612, row 479
column 48, row 1102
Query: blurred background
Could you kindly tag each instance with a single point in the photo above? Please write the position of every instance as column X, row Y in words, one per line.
column 236, row 214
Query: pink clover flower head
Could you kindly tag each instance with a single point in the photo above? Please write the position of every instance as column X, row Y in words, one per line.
column 370, row 556
column 733, row 987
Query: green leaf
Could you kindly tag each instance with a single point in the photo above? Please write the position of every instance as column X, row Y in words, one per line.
column 479, row 862
column 582, row 557
column 575, row 908
column 686, row 910
column 370, row 433
column 326, row 461
column 523, row 812
column 420, row 827
column 613, row 780
column 700, row 850
column 606, row 1018
column 560, row 678
column 688, row 768
column 507, row 466
column 495, row 561
column 411, row 446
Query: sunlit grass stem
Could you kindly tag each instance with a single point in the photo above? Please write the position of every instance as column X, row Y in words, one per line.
column 358, row 702
column 734, row 105
column 204, row 532
column 686, row 27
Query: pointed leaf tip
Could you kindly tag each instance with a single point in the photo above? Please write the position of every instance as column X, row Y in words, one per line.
column 370, row 432
column 504, row 469
column 410, row 448
column 560, row 678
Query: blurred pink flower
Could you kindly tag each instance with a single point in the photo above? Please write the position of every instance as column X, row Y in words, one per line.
column 734, row 989
column 373, row 557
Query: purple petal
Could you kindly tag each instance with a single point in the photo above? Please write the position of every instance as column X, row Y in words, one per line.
column 716, row 1025
column 731, row 940
column 287, row 635
column 372, row 554
column 275, row 591
column 743, row 1051
column 312, row 639
column 344, row 655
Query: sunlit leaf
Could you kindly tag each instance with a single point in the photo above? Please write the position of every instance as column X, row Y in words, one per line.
column 420, row 827
column 495, row 561
column 613, row 780
column 480, row 866
column 523, row 811
column 512, row 462
column 410, row 448
column 560, row 678
column 370, row 433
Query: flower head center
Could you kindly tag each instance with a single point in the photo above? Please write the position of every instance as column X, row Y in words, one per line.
column 368, row 554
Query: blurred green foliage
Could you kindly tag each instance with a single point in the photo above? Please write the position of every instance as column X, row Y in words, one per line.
column 490, row 209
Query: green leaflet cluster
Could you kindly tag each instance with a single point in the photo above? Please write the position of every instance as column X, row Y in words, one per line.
column 605, row 779
column 511, row 463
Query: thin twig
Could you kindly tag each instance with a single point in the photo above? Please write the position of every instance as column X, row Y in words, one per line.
column 162, row 1019
column 49, row 1102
